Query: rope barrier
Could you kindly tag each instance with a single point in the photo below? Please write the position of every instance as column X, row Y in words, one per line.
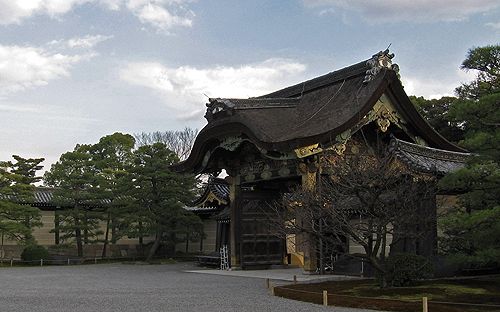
column 61, row 261
column 479, row 305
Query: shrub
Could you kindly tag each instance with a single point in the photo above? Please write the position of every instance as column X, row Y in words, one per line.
column 34, row 252
column 405, row 269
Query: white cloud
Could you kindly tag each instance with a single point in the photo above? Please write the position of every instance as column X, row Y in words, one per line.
column 327, row 11
column 19, row 108
column 429, row 89
column 495, row 26
column 23, row 67
column 112, row 4
column 85, row 42
column 88, row 41
column 187, row 85
column 160, row 17
column 161, row 14
column 410, row 10
column 436, row 88
column 14, row 11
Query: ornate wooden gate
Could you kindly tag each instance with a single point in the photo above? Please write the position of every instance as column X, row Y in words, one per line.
column 258, row 246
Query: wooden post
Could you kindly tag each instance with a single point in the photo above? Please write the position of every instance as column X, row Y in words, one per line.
column 295, row 279
column 235, row 198
column 95, row 260
column 11, row 261
column 68, row 261
column 41, row 262
column 424, row 304
column 325, row 297
column 308, row 244
column 267, row 283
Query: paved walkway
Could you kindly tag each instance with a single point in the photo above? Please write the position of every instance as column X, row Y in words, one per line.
column 133, row 288
column 276, row 274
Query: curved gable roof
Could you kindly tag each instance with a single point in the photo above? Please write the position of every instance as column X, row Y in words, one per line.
column 314, row 111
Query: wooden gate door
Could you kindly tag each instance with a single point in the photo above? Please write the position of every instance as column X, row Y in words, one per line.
column 259, row 247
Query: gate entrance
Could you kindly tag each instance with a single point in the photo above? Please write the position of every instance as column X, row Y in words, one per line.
column 258, row 245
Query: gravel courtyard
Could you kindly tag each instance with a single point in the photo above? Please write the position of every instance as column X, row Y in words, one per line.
column 127, row 288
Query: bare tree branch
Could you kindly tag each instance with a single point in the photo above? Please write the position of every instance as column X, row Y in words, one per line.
column 179, row 141
column 364, row 198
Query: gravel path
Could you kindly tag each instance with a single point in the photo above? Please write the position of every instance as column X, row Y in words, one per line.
column 127, row 288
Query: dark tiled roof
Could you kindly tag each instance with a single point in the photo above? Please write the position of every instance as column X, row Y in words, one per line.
column 314, row 111
column 319, row 82
column 309, row 115
column 220, row 188
column 206, row 204
column 201, row 209
column 43, row 196
column 428, row 159
column 223, row 215
column 215, row 187
column 257, row 103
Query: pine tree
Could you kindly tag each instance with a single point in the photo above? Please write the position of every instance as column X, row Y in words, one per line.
column 472, row 234
column 17, row 217
column 436, row 112
column 111, row 156
column 74, row 179
column 159, row 194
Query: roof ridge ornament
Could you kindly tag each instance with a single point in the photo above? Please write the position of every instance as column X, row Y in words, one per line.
column 218, row 105
column 377, row 62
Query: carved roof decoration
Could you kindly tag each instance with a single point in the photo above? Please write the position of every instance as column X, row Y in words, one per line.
column 217, row 107
column 382, row 59
column 318, row 113
column 428, row 159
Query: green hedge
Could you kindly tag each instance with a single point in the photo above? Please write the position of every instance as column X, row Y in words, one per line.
column 34, row 252
column 405, row 269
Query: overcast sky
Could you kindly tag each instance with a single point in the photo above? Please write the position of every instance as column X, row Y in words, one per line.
column 72, row 71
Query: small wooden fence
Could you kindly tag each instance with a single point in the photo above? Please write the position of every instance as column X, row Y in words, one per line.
column 374, row 303
column 62, row 261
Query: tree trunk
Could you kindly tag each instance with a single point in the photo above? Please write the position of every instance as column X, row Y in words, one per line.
column 2, row 251
column 85, row 228
column 29, row 236
column 56, row 226
column 384, row 243
column 141, row 240
column 106, row 236
column 79, row 243
column 381, row 270
column 383, row 280
column 113, row 231
column 78, row 231
column 171, row 245
column 321, row 253
column 155, row 246
column 187, row 240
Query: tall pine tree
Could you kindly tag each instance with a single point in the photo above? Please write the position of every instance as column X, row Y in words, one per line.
column 74, row 179
column 159, row 194
column 472, row 235
column 112, row 155
column 17, row 217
